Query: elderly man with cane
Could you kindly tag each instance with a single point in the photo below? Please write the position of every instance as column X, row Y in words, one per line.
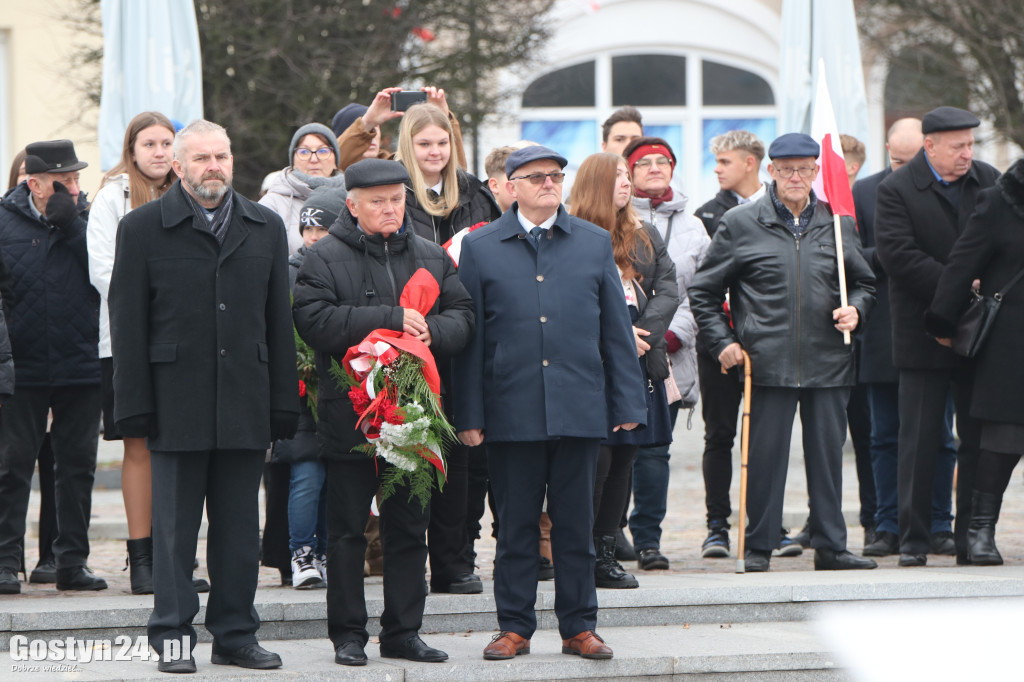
column 777, row 258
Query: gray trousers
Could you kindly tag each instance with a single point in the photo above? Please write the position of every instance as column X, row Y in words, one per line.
column 823, row 417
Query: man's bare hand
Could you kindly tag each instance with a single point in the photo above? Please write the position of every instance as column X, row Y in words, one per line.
column 414, row 324
column 641, row 345
column 471, row 437
column 425, row 337
column 847, row 318
column 628, row 426
column 731, row 356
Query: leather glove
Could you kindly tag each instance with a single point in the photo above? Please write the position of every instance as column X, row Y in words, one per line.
column 672, row 342
column 61, row 210
column 139, row 426
column 283, row 425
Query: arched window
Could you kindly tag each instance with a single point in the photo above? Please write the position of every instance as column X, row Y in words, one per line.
column 649, row 80
column 572, row 86
column 728, row 86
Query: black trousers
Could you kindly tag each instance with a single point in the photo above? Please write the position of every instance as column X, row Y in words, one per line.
column 521, row 474
column 274, row 552
column 823, row 418
column 858, row 415
column 228, row 482
column 720, row 398
column 922, row 408
column 74, row 436
column 350, row 485
column 446, row 535
column 612, row 487
column 476, row 499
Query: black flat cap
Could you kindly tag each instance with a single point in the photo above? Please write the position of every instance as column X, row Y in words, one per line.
column 948, row 118
column 52, row 156
column 794, row 146
column 374, row 173
column 521, row 157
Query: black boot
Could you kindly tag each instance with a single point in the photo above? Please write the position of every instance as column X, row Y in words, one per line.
column 981, row 534
column 140, row 561
column 607, row 571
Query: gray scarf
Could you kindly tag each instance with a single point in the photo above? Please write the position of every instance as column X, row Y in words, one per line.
column 221, row 219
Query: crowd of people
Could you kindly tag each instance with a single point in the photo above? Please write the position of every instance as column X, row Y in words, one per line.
column 569, row 329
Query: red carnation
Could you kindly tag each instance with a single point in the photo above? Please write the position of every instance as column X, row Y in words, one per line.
column 302, row 388
column 360, row 400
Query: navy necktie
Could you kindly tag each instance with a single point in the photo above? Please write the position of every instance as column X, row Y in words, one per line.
column 536, row 233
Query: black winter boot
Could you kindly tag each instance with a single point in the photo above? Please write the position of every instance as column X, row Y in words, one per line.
column 607, row 571
column 981, row 534
column 140, row 561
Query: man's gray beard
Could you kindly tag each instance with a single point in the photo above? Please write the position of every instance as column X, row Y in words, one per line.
column 207, row 194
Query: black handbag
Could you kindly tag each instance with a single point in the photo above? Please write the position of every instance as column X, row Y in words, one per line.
column 976, row 323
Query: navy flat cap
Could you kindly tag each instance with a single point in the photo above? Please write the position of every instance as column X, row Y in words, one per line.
column 948, row 118
column 794, row 146
column 521, row 157
column 375, row 172
column 52, row 156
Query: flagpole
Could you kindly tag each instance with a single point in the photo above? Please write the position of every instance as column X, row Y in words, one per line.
column 840, row 262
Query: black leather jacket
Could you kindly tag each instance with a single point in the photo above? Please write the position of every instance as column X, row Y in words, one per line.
column 783, row 290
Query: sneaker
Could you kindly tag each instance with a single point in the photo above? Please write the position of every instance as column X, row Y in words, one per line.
column 716, row 545
column 305, row 575
column 788, row 546
column 803, row 538
column 320, row 561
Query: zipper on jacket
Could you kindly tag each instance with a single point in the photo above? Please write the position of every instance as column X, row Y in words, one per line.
column 799, row 307
column 391, row 273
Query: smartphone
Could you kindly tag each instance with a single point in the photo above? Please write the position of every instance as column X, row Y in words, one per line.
column 401, row 101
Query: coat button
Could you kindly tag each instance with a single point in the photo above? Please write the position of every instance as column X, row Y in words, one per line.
column 540, row 278
column 222, row 306
column 223, row 352
column 544, row 362
column 543, row 318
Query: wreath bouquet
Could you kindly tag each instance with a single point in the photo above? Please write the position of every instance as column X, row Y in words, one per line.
column 395, row 389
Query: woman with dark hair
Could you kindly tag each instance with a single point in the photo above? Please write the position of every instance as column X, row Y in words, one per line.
column 17, row 170
column 143, row 174
column 990, row 249
column 602, row 193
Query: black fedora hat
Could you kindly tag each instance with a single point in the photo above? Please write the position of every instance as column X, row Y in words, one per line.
column 52, row 156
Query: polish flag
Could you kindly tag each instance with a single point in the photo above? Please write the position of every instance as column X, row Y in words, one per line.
column 832, row 184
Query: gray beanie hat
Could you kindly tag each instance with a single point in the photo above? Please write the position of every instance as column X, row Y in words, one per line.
column 313, row 129
column 323, row 207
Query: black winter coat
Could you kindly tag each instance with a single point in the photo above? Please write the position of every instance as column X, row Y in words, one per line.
column 662, row 293
column 915, row 228
column 476, row 205
column 782, row 290
column 711, row 213
column 991, row 249
column 348, row 286
column 54, row 318
column 875, row 338
column 201, row 333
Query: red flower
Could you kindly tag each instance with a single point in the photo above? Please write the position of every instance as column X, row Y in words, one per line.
column 360, row 400
column 393, row 415
column 302, row 388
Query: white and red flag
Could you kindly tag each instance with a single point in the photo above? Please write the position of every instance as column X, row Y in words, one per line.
column 832, row 184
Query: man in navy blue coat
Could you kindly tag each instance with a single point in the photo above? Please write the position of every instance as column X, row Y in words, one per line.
column 550, row 370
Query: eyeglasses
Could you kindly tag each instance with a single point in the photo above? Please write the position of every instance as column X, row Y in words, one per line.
column 646, row 163
column 786, row 173
column 321, row 153
column 538, row 178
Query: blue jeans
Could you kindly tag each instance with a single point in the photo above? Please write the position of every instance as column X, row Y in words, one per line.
column 885, row 427
column 306, row 507
column 650, row 492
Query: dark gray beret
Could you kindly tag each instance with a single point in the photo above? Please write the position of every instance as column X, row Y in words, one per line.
column 375, row 172
column 521, row 157
column 794, row 146
column 322, row 207
column 948, row 118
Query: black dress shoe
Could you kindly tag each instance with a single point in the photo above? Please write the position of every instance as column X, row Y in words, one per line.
column 842, row 560
column 200, row 584
column 755, row 561
column 547, row 569
column 462, row 583
column 413, row 649
column 885, row 544
column 80, row 578
column 247, row 656
column 179, row 665
column 913, row 560
column 651, row 559
column 350, row 653
column 44, row 572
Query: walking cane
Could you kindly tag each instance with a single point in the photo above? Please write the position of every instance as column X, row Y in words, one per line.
column 744, row 452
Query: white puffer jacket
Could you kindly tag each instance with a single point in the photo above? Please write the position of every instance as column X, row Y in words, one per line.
column 111, row 204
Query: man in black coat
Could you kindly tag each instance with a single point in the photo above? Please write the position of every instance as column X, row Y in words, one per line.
column 349, row 285
column 204, row 367
column 54, row 331
column 922, row 208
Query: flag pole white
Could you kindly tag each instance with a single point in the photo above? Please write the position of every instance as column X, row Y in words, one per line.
column 841, row 263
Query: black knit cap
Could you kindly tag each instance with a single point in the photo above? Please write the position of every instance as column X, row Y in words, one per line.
column 948, row 118
column 322, row 207
column 375, row 172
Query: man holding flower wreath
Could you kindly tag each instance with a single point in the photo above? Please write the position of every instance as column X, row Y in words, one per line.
column 349, row 289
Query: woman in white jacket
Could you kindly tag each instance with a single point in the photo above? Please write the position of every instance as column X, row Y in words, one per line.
column 143, row 174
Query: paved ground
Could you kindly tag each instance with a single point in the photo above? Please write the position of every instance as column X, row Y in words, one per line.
column 683, row 528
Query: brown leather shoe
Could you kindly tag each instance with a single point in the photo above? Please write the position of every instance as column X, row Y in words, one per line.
column 506, row 645
column 587, row 644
